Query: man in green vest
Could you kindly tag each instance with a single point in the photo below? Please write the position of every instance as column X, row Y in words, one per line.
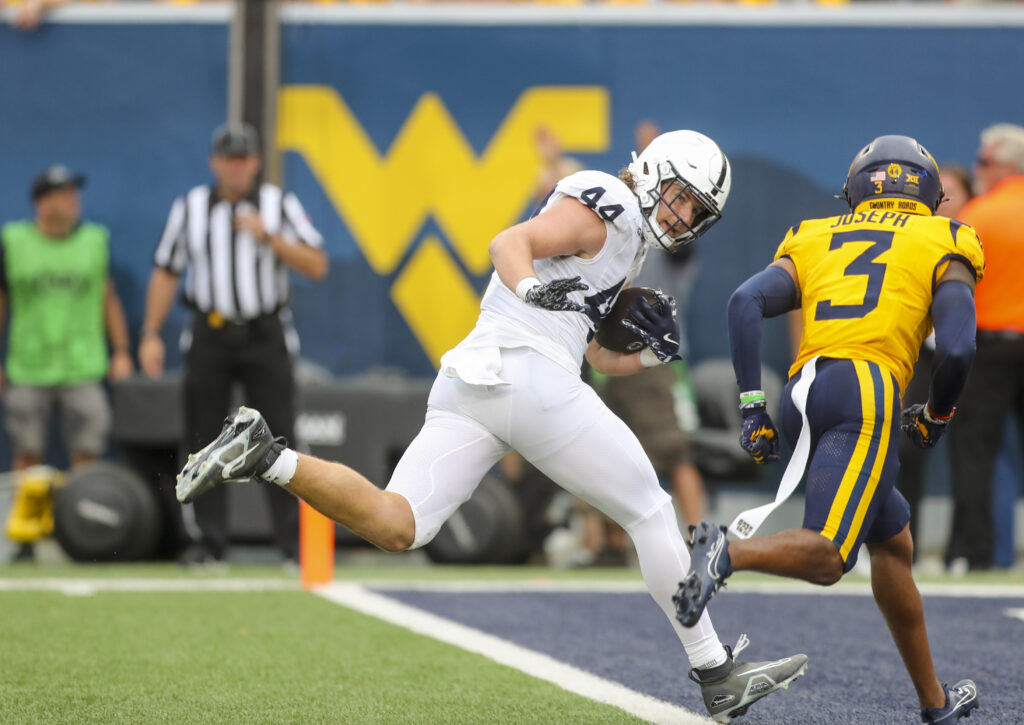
column 55, row 281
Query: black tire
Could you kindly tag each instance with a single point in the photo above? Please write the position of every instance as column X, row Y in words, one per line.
column 487, row 529
column 105, row 512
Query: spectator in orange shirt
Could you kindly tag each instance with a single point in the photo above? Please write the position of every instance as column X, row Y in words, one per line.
column 995, row 387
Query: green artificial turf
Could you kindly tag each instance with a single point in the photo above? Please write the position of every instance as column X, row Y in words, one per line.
column 272, row 656
column 253, row 657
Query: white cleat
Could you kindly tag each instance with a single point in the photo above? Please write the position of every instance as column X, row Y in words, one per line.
column 235, row 455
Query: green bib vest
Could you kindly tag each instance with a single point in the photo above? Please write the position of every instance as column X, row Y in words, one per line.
column 56, row 289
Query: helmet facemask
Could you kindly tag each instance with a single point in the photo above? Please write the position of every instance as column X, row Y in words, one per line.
column 667, row 192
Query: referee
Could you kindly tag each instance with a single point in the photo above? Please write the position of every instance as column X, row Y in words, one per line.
column 234, row 241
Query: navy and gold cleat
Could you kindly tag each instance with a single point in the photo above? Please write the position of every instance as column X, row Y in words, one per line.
column 709, row 568
column 244, row 448
column 961, row 698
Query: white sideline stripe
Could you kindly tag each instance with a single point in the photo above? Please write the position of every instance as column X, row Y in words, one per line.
column 782, row 586
column 506, row 585
column 85, row 587
column 503, row 652
column 626, row 586
column 1015, row 613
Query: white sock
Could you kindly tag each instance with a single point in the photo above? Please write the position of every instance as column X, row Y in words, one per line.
column 664, row 561
column 282, row 470
column 706, row 652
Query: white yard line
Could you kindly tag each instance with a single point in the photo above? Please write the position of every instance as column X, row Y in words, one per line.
column 627, row 586
column 84, row 587
column 503, row 652
column 606, row 586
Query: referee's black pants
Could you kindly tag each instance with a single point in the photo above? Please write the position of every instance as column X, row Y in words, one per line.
column 252, row 353
column 994, row 390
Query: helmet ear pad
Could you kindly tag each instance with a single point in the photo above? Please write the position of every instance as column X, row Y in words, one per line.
column 894, row 166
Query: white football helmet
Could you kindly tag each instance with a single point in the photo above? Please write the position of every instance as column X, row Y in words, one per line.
column 696, row 163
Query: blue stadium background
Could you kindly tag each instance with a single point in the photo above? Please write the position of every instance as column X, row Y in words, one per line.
column 133, row 105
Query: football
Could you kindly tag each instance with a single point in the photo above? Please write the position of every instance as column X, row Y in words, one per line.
column 610, row 332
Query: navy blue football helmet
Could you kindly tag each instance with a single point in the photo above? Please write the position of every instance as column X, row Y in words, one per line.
column 894, row 166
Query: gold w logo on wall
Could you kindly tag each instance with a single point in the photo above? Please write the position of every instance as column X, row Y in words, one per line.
column 430, row 170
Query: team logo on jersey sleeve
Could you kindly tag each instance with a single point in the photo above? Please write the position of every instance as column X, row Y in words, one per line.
column 600, row 303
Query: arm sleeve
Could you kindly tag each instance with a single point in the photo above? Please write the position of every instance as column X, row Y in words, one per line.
column 954, row 318
column 768, row 293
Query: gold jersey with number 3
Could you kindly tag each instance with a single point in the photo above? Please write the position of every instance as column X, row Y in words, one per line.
column 866, row 280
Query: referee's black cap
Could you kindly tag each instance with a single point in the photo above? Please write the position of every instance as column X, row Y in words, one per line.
column 53, row 178
column 235, row 139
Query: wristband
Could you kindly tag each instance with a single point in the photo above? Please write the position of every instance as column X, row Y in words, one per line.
column 525, row 285
column 935, row 417
column 752, row 398
column 648, row 359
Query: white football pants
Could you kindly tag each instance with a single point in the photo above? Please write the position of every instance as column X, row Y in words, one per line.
column 559, row 424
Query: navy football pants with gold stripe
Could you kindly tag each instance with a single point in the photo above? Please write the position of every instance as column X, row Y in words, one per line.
column 853, row 410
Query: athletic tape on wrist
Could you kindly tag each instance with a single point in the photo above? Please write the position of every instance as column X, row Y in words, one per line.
column 648, row 359
column 525, row 285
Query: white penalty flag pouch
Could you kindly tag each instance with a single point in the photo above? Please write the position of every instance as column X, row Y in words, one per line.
column 747, row 523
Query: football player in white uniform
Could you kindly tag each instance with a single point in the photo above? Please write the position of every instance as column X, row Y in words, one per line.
column 514, row 383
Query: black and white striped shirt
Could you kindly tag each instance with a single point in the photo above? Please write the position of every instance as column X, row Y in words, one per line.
column 227, row 270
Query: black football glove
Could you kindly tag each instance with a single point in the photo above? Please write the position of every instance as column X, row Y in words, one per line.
column 922, row 426
column 554, row 295
column 759, row 437
column 657, row 329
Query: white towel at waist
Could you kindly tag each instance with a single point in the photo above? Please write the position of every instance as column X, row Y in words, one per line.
column 473, row 365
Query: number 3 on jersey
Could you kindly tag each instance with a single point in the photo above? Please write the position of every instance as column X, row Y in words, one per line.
column 863, row 265
column 608, row 212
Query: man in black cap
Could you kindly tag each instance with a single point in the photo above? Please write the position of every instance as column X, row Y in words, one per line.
column 234, row 241
column 55, row 277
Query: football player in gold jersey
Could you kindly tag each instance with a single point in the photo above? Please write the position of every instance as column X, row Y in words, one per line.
column 870, row 285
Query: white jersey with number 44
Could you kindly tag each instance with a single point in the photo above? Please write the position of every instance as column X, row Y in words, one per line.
column 507, row 322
